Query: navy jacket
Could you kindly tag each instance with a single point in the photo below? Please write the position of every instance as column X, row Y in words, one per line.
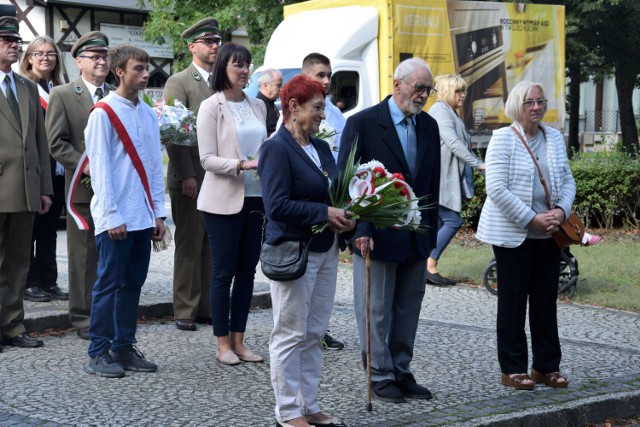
column 377, row 139
column 295, row 191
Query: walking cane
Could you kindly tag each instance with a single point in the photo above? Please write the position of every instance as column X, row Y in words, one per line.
column 368, row 326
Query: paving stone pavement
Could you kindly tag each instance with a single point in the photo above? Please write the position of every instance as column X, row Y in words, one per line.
column 455, row 356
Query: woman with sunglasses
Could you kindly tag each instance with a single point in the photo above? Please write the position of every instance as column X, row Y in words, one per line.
column 42, row 63
column 231, row 128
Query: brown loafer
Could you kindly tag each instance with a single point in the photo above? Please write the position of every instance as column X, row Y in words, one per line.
column 186, row 325
column 248, row 356
column 517, row 381
column 553, row 379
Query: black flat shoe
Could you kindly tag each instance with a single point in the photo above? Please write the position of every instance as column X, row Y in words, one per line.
column 411, row 389
column 437, row 280
column 387, row 391
column 57, row 293
column 23, row 340
column 36, row 294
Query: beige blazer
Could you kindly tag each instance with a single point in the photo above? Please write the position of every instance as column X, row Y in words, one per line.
column 222, row 190
column 67, row 116
column 25, row 169
column 191, row 89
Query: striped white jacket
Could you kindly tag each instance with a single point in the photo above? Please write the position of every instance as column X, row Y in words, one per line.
column 509, row 183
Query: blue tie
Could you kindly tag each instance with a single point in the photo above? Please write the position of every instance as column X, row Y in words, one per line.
column 410, row 154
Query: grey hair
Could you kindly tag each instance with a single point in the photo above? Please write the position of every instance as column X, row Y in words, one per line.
column 513, row 108
column 408, row 66
column 268, row 76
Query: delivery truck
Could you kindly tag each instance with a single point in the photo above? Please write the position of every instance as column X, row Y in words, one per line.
column 491, row 45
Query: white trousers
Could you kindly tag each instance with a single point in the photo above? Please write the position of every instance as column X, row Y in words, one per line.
column 301, row 312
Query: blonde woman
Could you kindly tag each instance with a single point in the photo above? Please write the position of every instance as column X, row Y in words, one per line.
column 457, row 161
column 42, row 63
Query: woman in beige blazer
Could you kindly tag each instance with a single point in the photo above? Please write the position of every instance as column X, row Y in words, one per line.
column 231, row 128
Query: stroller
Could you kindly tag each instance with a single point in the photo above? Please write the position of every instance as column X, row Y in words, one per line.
column 568, row 275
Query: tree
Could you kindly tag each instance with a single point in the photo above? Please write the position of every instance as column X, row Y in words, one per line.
column 171, row 18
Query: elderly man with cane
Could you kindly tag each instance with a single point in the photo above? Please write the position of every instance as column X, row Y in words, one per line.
column 406, row 140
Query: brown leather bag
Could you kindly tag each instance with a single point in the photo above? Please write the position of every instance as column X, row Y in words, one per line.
column 571, row 231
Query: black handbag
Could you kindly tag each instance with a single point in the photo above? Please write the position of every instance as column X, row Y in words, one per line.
column 285, row 261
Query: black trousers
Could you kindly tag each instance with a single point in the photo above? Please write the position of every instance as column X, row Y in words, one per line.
column 43, row 269
column 528, row 272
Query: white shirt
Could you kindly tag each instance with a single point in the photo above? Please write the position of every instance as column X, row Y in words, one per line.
column 92, row 90
column 203, row 73
column 3, row 84
column 334, row 119
column 119, row 197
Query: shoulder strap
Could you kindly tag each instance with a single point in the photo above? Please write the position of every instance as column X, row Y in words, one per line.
column 542, row 180
column 128, row 146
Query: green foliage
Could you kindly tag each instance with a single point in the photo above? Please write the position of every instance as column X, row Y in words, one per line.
column 171, row 18
column 607, row 191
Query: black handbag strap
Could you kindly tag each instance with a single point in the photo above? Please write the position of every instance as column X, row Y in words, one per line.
column 542, row 180
column 264, row 228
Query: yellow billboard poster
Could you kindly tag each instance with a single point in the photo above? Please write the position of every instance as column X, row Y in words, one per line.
column 492, row 46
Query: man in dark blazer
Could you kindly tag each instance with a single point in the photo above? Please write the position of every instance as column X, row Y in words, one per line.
column 405, row 139
column 192, row 265
column 269, row 86
column 67, row 115
column 25, row 183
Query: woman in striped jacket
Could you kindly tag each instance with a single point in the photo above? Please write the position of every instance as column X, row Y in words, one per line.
column 517, row 221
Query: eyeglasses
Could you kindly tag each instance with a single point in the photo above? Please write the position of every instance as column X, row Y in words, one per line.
column 420, row 88
column 209, row 42
column 40, row 55
column 461, row 92
column 95, row 58
column 10, row 40
column 240, row 67
column 529, row 103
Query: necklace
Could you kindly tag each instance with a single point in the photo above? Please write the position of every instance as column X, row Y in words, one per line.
column 313, row 155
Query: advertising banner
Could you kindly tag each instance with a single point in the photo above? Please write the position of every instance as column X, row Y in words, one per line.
column 492, row 46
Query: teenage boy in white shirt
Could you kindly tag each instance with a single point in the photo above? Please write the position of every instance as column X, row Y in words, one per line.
column 127, row 215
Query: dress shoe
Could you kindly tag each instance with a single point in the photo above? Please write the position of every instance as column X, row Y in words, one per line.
column 186, row 325
column 410, row 388
column 204, row 320
column 248, row 356
column 387, row 391
column 438, row 280
column 57, row 293
column 0, row 348
column 23, row 340
column 36, row 294
column 83, row 333
column 227, row 357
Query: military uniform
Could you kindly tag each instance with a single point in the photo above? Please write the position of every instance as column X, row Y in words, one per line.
column 25, row 176
column 192, row 265
column 67, row 116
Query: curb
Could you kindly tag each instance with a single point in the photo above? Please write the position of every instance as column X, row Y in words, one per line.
column 152, row 310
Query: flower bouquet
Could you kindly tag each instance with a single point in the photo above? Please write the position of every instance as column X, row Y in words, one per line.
column 373, row 194
column 177, row 123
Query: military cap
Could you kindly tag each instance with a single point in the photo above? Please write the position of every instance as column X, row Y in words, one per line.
column 207, row 27
column 93, row 40
column 9, row 27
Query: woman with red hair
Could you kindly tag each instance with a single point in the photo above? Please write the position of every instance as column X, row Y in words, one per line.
column 296, row 170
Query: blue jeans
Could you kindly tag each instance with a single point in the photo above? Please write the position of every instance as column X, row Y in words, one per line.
column 449, row 222
column 122, row 270
column 234, row 241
